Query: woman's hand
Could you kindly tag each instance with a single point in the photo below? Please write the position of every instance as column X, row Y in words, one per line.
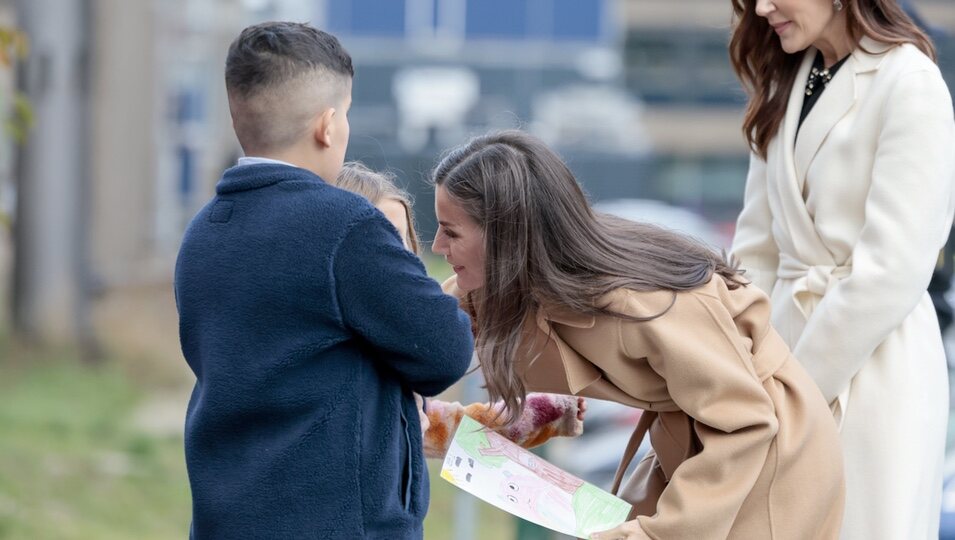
column 422, row 416
column 630, row 530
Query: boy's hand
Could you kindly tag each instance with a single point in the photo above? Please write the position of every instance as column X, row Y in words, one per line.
column 422, row 416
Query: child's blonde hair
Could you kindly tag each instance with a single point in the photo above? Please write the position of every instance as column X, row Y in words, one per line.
column 376, row 187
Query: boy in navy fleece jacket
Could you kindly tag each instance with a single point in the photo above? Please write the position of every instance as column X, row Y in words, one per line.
column 307, row 323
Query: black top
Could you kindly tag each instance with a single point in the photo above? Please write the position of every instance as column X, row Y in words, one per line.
column 817, row 82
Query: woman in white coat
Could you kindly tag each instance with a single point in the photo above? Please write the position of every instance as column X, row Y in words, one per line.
column 848, row 201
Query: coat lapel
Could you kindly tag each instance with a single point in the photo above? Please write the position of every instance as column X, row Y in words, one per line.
column 579, row 371
column 540, row 337
column 791, row 123
column 833, row 105
column 786, row 201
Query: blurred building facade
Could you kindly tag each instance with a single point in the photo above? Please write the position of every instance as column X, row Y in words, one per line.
column 675, row 56
column 98, row 208
column 637, row 95
column 431, row 73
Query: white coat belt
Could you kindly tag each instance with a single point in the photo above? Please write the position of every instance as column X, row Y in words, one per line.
column 810, row 281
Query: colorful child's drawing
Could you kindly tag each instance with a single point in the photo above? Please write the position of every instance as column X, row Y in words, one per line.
column 543, row 503
column 499, row 446
column 498, row 471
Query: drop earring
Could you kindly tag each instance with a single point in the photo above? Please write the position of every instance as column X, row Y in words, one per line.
column 837, row 4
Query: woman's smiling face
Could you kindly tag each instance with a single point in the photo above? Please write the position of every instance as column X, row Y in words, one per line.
column 460, row 240
column 799, row 23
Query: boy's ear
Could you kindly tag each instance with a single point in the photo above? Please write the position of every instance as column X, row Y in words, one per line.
column 324, row 127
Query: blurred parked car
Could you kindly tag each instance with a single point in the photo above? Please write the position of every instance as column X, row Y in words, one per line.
column 597, row 118
column 666, row 215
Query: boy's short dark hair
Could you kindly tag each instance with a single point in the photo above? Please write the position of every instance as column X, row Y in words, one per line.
column 268, row 110
column 271, row 53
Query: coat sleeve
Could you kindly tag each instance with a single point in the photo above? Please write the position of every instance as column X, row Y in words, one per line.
column 753, row 242
column 387, row 299
column 908, row 213
column 710, row 376
column 546, row 416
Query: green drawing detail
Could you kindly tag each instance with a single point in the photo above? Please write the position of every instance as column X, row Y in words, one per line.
column 472, row 438
column 597, row 510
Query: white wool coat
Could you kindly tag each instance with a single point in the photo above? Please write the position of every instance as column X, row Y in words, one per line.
column 842, row 226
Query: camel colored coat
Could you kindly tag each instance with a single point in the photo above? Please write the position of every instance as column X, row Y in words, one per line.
column 744, row 444
column 842, row 225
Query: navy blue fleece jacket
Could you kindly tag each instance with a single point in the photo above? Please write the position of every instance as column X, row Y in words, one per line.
column 308, row 326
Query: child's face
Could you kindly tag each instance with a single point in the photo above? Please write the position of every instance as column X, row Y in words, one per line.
column 398, row 216
column 460, row 239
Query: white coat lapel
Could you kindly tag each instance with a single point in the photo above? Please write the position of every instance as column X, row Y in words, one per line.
column 791, row 121
column 834, row 103
column 837, row 100
column 786, row 202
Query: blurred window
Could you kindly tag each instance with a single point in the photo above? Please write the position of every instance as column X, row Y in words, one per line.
column 681, row 66
column 517, row 20
column 497, row 19
column 546, row 20
column 576, row 20
column 372, row 18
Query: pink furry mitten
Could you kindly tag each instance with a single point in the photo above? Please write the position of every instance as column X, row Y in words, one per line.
column 545, row 416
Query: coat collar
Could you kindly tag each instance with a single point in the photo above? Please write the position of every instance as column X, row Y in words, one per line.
column 869, row 55
column 567, row 317
column 580, row 372
column 833, row 105
column 246, row 177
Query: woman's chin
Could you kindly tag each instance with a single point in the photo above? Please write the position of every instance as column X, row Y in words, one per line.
column 466, row 284
column 791, row 46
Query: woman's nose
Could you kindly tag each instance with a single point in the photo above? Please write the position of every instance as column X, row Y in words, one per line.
column 437, row 247
column 764, row 7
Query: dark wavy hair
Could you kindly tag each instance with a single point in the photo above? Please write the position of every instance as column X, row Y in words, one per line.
column 768, row 72
column 545, row 246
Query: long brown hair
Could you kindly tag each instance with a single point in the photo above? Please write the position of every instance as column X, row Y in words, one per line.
column 768, row 72
column 376, row 187
column 545, row 246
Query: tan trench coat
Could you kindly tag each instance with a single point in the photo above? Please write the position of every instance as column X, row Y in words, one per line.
column 744, row 444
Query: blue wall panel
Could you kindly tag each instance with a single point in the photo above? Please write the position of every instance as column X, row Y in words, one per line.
column 497, row 19
column 577, row 20
column 373, row 18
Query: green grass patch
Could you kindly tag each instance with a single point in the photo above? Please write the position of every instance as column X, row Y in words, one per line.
column 72, row 465
column 75, row 466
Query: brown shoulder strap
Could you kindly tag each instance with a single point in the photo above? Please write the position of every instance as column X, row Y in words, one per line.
column 643, row 425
